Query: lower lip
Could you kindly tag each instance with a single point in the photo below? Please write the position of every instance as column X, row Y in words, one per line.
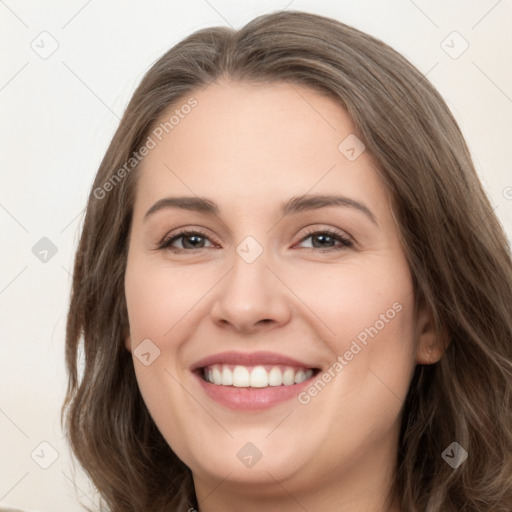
column 251, row 399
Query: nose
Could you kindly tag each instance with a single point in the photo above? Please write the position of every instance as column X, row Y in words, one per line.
column 251, row 298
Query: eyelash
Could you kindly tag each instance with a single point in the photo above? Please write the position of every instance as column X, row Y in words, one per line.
column 345, row 242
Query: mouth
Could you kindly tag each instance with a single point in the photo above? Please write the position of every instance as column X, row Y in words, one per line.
column 259, row 376
column 254, row 381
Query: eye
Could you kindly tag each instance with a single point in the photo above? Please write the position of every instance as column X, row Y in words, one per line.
column 322, row 240
column 189, row 240
column 325, row 239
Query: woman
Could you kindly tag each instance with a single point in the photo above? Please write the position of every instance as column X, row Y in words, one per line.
column 292, row 291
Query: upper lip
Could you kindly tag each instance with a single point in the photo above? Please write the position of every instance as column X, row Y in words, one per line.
column 249, row 359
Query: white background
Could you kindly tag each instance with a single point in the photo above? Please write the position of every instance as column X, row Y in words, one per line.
column 58, row 115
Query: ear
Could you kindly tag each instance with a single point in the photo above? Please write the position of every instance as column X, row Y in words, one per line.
column 430, row 345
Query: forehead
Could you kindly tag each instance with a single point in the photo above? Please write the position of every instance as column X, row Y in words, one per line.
column 258, row 142
column 229, row 116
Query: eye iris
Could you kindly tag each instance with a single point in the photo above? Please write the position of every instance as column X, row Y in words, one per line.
column 193, row 245
column 322, row 237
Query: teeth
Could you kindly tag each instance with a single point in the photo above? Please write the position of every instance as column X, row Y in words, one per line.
column 275, row 377
column 241, row 377
column 289, row 377
column 217, row 376
column 259, row 377
column 300, row 376
column 255, row 377
column 227, row 377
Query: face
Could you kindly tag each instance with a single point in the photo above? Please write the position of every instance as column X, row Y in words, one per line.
column 284, row 264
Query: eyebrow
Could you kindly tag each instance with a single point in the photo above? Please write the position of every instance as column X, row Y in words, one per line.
column 293, row 205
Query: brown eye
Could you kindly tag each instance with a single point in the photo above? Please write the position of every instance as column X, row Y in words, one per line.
column 189, row 240
column 326, row 239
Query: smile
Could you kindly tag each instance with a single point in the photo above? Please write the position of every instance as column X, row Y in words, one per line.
column 253, row 381
column 261, row 376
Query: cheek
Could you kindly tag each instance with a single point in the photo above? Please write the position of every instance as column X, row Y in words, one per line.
column 159, row 296
column 158, row 299
column 353, row 296
column 369, row 311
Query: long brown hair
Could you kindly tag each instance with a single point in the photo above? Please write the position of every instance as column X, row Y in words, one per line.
column 457, row 252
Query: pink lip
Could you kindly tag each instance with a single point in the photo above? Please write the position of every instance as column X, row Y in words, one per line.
column 249, row 359
column 250, row 399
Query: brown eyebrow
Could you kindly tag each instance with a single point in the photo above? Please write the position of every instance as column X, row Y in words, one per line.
column 294, row 205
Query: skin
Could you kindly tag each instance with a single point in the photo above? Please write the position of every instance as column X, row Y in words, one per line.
column 249, row 148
